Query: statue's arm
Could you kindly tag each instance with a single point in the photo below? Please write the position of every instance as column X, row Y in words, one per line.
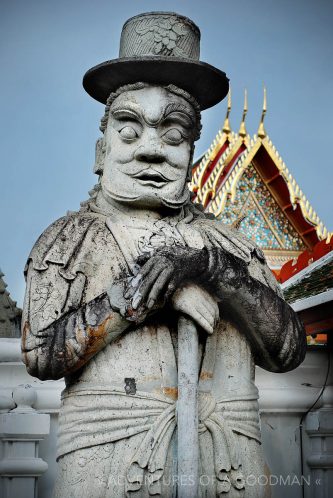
column 246, row 292
column 60, row 333
column 272, row 327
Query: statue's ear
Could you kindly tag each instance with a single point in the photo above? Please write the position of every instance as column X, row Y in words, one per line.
column 99, row 156
column 190, row 166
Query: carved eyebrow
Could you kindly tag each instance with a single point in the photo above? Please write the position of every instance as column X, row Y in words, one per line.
column 121, row 112
column 179, row 118
column 183, row 111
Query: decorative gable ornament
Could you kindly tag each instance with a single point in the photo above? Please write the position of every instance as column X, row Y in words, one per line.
column 244, row 182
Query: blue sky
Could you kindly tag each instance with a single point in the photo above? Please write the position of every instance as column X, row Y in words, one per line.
column 49, row 125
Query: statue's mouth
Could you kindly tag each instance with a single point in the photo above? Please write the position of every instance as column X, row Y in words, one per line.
column 151, row 178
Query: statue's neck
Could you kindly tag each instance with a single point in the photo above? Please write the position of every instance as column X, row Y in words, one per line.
column 109, row 206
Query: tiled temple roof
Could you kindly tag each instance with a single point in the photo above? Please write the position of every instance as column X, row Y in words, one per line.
column 307, row 285
column 305, row 263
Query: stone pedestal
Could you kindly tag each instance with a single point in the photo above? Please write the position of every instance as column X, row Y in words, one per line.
column 21, row 429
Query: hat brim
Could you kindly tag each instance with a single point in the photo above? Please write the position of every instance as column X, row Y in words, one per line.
column 207, row 84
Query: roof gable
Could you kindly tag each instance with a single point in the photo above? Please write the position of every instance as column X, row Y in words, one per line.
column 218, row 175
column 258, row 215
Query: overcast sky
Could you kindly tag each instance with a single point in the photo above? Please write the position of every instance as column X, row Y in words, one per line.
column 49, row 125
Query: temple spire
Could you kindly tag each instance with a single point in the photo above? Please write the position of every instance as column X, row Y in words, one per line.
column 242, row 129
column 226, row 125
column 261, row 129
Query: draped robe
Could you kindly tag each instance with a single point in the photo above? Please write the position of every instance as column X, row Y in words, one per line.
column 118, row 411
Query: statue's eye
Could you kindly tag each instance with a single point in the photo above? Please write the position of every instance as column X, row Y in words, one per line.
column 128, row 133
column 173, row 136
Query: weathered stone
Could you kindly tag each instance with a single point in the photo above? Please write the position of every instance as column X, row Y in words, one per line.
column 10, row 314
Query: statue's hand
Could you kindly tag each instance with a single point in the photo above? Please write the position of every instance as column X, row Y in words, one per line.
column 164, row 272
column 198, row 304
column 159, row 276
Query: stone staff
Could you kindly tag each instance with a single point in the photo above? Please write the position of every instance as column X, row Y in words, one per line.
column 188, row 373
column 187, row 409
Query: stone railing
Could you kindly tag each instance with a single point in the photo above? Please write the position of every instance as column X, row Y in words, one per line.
column 21, row 429
column 25, row 408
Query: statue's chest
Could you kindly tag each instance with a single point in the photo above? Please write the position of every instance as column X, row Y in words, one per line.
column 143, row 238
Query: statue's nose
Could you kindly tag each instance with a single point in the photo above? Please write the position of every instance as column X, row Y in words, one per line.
column 151, row 151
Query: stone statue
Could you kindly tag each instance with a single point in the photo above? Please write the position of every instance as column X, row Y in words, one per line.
column 106, row 286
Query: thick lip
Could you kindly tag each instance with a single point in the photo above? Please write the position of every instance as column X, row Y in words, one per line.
column 151, row 177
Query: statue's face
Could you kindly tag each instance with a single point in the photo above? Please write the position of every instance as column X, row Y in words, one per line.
column 149, row 137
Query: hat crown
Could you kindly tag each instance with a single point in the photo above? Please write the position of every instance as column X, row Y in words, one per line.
column 160, row 34
column 159, row 48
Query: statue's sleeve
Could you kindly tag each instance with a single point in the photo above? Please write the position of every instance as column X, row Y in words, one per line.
column 251, row 296
column 60, row 330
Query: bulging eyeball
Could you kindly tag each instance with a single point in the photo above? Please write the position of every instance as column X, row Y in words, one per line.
column 128, row 133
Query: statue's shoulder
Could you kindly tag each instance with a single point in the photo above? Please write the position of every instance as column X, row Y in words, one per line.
column 62, row 237
column 218, row 234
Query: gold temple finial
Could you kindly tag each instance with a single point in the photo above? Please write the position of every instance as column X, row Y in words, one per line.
column 226, row 125
column 261, row 129
column 242, row 129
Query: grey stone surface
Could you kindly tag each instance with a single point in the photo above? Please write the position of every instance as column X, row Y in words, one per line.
column 105, row 289
column 159, row 48
column 10, row 314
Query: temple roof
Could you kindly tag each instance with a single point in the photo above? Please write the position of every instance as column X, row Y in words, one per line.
column 242, row 177
column 310, row 275
column 10, row 314
column 307, row 285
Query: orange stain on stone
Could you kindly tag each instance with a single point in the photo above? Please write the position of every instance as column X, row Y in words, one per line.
column 92, row 339
column 25, row 333
column 171, row 392
column 206, row 375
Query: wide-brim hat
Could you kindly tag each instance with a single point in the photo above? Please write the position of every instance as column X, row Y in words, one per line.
column 159, row 48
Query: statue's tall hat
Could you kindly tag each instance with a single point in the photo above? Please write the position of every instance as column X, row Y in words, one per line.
column 161, row 48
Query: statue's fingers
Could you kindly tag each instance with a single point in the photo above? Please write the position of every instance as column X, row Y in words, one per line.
column 158, row 286
column 205, row 325
column 172, row 286
column 142, row 259
column 207, row 303
column 201, row 321
column 217, row 314
column 199, row 297
column 132, row 285
column 198, row 305
column 144, row 288
column 135, row 282
column 152, row 263
column 215, row 311
column 208, row 315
